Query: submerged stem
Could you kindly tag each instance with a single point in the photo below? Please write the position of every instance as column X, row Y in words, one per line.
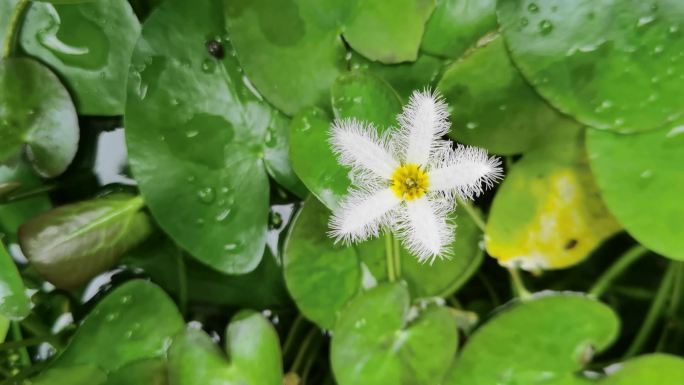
column 13, row 27
column 518, row 285
column 654, row 311
column 617, row 268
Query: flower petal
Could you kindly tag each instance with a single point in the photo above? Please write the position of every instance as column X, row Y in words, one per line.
column 423, row 121
column 424, row 229
column 361, row 215
column 359, row 146
column 464, row 170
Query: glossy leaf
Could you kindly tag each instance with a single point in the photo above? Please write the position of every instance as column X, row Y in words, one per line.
column 89, row 44
column 198, row 138
column 492, row 106
column 648, row 369
column 365, row 97
column 291, row 57
column 640, row 178
column 548, row 213
column 14, row 304
column 252, row 347
column 72, row 375
column 537, row 341
column 623, row 73
column 456, row 25
column 14, row 214
column 36, row 111
column 73, row 243
column 388, row 31
column 320, row 276
column 134, row 322
column 144, row 372
column 376, row 340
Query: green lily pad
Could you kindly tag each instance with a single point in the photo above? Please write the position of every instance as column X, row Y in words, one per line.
column 548, row 213
column 366, row 97
column 72, row 375
column 199, row 139
column 287, row 52
column 14, row 304
column 36, row 112
column 134, row 322
column 320, row 276
column 640, row 178
column 73, row 243
column 623, row 73
column 379, row 341
column 456, row 25
column 14, row 214
column 388, row 31
column 648, row 369
column 492, row 106
column 144, row 372
column 252, row 347
column 542, row 339
column 88, row 44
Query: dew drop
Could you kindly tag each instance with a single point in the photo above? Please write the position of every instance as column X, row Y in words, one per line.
column 646, row 174
column 230, row 246
column 645, row 20
column 208, row 66
column 533, row 7
column 191, row 133
column 471, row 125
column 524, row 22
column 126, row 299
column 223, row 215
column 111, row 317
column 545, row 27
column 206, row 195
column 215, row 49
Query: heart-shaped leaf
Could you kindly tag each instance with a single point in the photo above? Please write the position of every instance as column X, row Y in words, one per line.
column 252, row 347
column 456, row 25
column 621, row 73
column 73, row 243
column 14, row 303
column 492, row 106
column 134, row 322
column 366, row 97
column 379, row 341
column 36, row 112
column 640, row 178
column 388, row 31
column 546, row 338
column 285, row 49
column 649, row 369
column 199, row 139
column 548, row 213
column 88, row 44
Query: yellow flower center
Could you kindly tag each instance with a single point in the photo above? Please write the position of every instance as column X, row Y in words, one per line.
column 409, row 182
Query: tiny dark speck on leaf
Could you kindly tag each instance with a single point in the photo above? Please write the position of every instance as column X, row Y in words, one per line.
column 570, row 244
column 215, row 49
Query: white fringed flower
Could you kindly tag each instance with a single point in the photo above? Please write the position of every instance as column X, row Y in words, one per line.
column 407, row 181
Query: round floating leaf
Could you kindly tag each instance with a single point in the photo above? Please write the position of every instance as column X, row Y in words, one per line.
column 641, row 179
column 365, row 97
column 619, row 73
column 134, row 322
column 72, row 375
column 320, row 276
column 287, row 52
column 36, row 111
column 649, row 369
column 492, row 106
column 543, row 339
column 388, row 31
column 377, row 341
column 456, row 25
column 313, row 159
column 198, row 137
column 88, row 44
column 405, row 77
column 145, row 372
column 13, row 214
column 252, row 347
column 14, row 304
column 548, row 213
column 73, row 243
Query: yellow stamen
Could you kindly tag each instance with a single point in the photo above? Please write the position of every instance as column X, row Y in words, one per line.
column 409, row 182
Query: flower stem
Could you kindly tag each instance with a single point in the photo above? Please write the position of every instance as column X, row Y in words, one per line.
column 13, row 28
column 616, row 269
column 654, row 311
column 299, row 359
column 389, row 256
column 182, row 282
column 17, row 336
column 474, row 215
column 396, row 250
column 675, row 302
column 517, row 284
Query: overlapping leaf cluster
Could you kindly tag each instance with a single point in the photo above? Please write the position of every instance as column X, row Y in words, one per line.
column 131, row 260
